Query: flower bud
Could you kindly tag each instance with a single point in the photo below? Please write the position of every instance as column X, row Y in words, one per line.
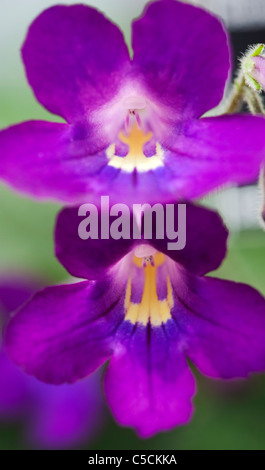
column 253, row 67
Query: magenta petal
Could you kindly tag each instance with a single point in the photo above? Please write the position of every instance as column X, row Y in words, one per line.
column 64, row 333
column 14, row 291
column 206, row 238
column 49, row 160
column 14, row 389
column 55, row 416
column 75, row 60
column 88, row 259
column 148, row 384
column 215, row 151
column 224, row 326
column 180, row 64
column 205, row 248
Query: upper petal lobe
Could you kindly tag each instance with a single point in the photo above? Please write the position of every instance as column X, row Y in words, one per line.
column 182, row 56
column 75, row 60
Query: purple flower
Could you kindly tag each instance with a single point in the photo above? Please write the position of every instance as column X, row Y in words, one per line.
column 55, row 416
column 146, row 109
column 147, row 310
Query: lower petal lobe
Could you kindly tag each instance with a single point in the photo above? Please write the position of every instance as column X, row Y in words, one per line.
column 148, row 384
column 64, row 333
column 223, row 324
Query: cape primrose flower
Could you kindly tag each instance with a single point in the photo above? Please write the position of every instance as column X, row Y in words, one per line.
column 146, row 309
column 54, row 417
column 133, row 125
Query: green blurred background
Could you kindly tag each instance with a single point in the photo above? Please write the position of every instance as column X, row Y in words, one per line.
column 227, row 416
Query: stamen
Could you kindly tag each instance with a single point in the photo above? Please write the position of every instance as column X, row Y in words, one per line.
column 133, row 116
column 134, row 104
column 138, row 120
column 148, row 259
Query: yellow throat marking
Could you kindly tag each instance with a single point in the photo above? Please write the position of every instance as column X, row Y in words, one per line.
column 150, row 308
column 135, row 159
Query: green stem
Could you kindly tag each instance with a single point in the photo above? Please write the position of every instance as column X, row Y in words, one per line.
column 241, row 93
column 253, row 101
column 235, row 99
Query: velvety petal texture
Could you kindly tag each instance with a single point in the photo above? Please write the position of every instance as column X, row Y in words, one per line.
column 176, row 58
column 224, row 326
column 148, row 383
column 214, row 151
column 89, row 259
column 48, row 159
column 206, row 239
column 68, row 329
column 58, row 161
column 75, row 60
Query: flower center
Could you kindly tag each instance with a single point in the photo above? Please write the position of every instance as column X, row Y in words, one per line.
column 135, row 159
column 150, row 308
column 133, row 103
column 142, row 251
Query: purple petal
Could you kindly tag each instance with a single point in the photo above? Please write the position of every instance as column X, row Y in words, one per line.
column 215, row 151
column 69, row 163
column 223, row 324
column 64, row 333
column 56, row 416
column 49, row 160
column 14, row 384
column 61, row 161
column 66, row 415
column 75, row 60
column 180, row 64
column 204, row 251
column 206, row 238
column 148, row 384
column 87, row 259
column 14, row 390
column 14, row 291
